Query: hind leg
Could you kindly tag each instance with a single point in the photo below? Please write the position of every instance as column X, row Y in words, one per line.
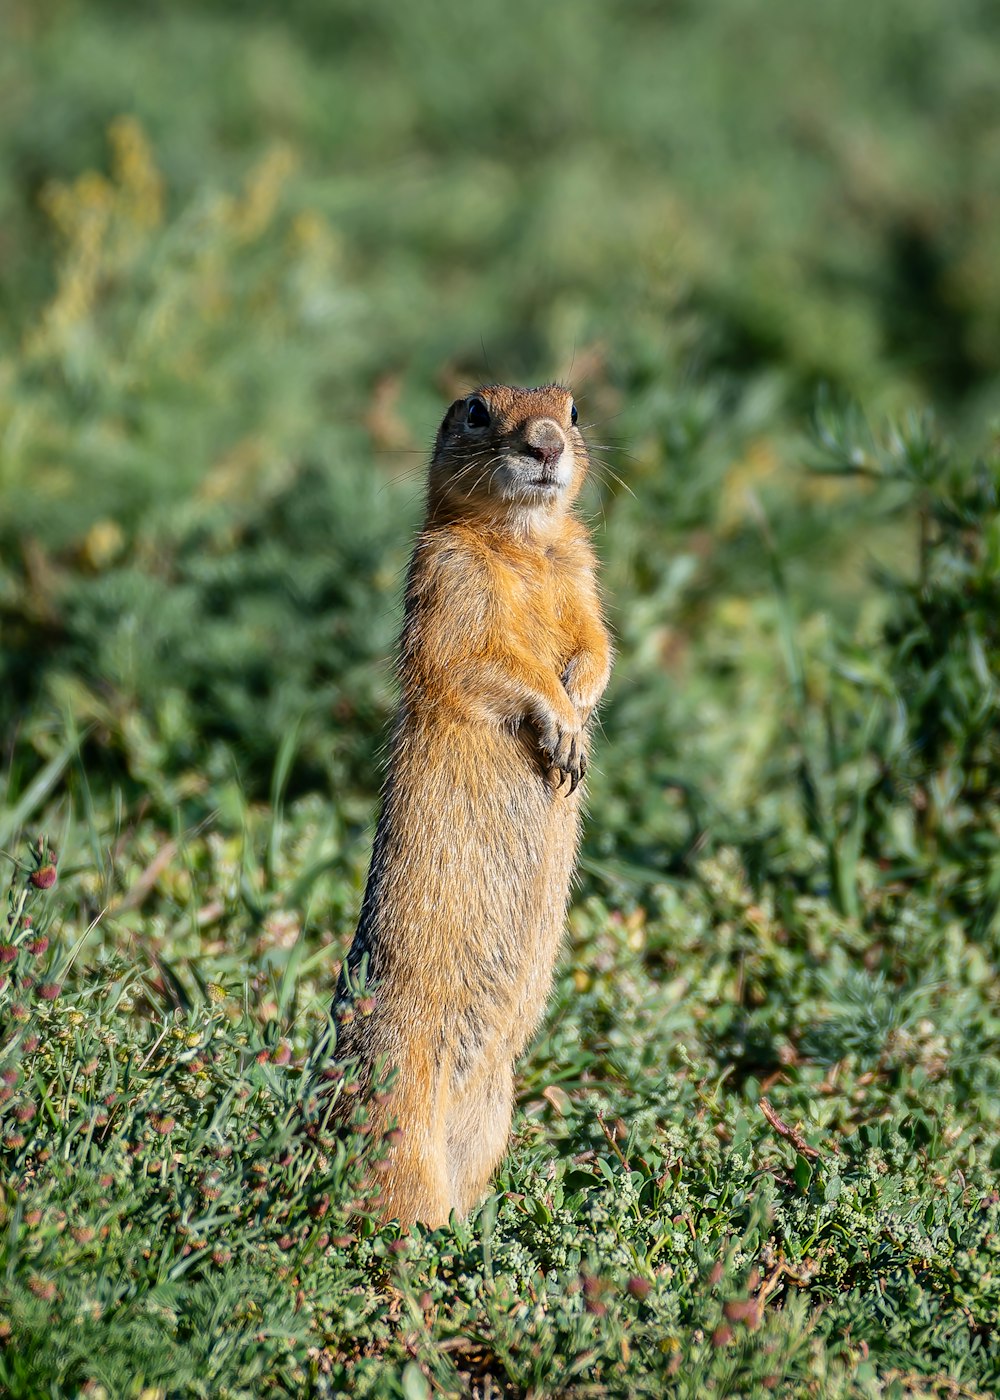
column 478, row 1128
column 413, row 1177
column 414, row 1184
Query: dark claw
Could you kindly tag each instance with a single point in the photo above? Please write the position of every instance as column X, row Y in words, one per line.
column 573, row 767
column 565, row 770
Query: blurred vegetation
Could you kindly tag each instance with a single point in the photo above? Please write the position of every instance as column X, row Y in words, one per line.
column 246, row 257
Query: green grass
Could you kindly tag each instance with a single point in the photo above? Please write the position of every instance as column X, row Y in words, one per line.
column 246, row 260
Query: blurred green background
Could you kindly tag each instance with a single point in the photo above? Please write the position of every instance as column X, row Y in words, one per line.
column 246, row 257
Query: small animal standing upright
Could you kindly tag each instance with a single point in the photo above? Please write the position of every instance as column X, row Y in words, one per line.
column 503, row 659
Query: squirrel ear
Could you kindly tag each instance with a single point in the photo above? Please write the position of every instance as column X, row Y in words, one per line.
column 446, row 420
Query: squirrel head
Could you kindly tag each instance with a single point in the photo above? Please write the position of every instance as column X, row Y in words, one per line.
column 513, row 456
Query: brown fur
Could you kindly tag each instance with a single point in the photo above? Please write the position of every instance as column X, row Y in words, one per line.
column 503, row 659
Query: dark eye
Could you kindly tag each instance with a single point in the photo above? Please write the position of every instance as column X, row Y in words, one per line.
column 573, row 415
column 477, row 415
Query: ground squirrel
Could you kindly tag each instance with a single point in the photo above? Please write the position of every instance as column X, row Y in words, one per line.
column 503, row 658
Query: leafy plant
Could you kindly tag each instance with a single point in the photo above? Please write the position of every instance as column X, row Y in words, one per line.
column 756, row 1144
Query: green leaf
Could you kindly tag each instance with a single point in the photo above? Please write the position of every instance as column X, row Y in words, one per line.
column 802, row 1173
column 415, row 1383
column 579, row 1180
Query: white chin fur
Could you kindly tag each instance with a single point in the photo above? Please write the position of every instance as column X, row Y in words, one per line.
column 520, row 480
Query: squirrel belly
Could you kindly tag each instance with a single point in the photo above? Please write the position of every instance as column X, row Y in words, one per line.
column 502, row 660
column 466, row 897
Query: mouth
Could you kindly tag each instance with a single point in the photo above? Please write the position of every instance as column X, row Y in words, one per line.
column 535, row 481
column 545, row 477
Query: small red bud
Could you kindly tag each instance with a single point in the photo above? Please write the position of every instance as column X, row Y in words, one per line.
column 746, row 1312
column 43, row 878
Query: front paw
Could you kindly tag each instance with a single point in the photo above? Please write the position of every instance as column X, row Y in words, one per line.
column 584, row 685
column 564, row 753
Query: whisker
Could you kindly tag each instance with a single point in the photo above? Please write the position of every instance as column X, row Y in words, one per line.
column 597, row 422
column 611, row 447
column 484, row 468
column 397, row 479
column 602, row 469
column 493, row 473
